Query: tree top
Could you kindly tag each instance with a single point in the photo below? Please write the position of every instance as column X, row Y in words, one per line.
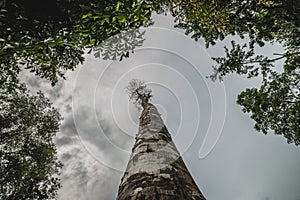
column 139, row 93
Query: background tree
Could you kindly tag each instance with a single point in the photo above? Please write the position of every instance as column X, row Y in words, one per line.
column 275, row 105
column 28, row 163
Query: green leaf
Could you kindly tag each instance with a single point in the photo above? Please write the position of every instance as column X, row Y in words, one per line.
column 118, row 6
column 89, row 14
column 105, row 19
column 122, row 18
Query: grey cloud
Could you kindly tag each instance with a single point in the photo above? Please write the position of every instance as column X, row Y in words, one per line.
column 63, row 140
column 83, row 178
column 68, row 127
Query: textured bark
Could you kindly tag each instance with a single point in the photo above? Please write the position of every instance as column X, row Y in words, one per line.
column 155, row 170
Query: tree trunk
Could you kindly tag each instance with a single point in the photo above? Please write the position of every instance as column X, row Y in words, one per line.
column 155, row 170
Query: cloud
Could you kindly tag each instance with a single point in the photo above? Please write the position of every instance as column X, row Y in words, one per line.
column 83, row 177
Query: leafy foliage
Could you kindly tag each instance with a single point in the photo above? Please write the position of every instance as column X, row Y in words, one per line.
column 29, row 167
column 275, row 106
column 215, row 19
column 102, row 20
column 38, row 36
column 52, row 40
column 207, row 19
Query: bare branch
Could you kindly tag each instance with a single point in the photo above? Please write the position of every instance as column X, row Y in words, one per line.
column 138, row 92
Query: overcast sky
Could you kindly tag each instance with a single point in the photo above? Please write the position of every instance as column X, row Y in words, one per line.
column 228, row 159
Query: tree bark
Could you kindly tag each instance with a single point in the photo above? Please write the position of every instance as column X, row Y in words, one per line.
column 155, row 170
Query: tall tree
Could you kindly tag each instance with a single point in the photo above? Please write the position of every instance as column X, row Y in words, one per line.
column 29, row 168
column 155, row 169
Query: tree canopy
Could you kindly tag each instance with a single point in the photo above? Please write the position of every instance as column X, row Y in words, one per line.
column 50, row 37
column 29, row 166
column 275, row 105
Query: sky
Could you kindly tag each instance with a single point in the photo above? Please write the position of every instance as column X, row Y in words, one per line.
column 227, row 158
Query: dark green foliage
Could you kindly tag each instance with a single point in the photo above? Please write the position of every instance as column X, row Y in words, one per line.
column 50, row 37
column 38, row 35
column 215, row 19
column 29, row 167
column 203, row 19
column 275, row 106
column 101, row 21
